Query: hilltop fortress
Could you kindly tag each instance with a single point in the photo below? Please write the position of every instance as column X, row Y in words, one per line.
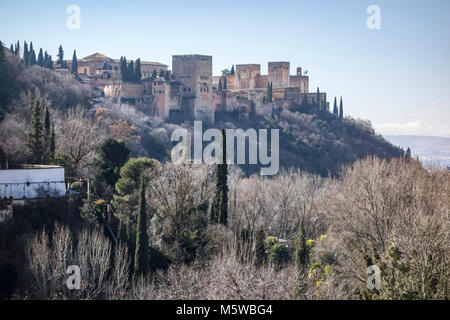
column 191, row 91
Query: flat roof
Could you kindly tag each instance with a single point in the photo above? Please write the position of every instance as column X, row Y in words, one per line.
column 32, row 166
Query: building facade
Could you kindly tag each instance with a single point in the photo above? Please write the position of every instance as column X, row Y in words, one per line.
column 32, row 181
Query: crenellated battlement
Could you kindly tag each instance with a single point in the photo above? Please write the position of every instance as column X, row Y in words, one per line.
column 190, row 56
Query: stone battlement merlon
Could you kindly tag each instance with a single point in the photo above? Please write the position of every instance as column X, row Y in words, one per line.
column 181, row 56
column 248, row 65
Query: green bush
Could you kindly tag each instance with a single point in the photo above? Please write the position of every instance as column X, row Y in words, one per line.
column 279, row 254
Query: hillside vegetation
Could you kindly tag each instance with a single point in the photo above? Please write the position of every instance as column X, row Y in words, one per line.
column 141, row 227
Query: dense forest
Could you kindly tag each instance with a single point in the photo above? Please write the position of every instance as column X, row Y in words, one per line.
column 141, row 227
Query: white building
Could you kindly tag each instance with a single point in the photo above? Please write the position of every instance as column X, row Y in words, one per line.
column 32, row 181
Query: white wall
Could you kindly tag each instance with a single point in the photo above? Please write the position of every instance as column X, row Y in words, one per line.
column 30, row 183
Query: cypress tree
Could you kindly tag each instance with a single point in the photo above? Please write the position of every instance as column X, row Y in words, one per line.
column 225, row 83
column 26, row 56
column 74, row 69
column 122, row 232
column 48, row 62
column 46, row 135
column 167, row 75
column 11, row 48
column 17, row 49
column 35, row 136
column 341, row 110
column 260, row 248
column 40, row 59
column 269, row 92
column 301, row 249
column 154, row 74
column 232, row 70
column 318, row 98
column 32, row 61
column 219, row 207
column 220, row 85
column 52, row 144
column 253, row 109
column 123, row 69
column 141, row 251
column 7, row 83
column 130, row 71
column 137, row 71
column 31, row 56
column 46, row 57
column 60, row 56
column 335, row 108
column 408, row 154
column 131, row 236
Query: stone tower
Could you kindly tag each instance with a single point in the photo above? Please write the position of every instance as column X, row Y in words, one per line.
column 194, row 72
column 279, row 74
column 246, row 75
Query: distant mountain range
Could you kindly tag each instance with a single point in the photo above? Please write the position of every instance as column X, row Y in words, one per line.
column 429, row 149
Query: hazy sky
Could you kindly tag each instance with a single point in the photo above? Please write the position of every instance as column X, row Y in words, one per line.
column 398, row 77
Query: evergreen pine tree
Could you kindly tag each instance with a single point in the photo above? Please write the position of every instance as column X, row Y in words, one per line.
column 335, row 108
column 112, row 155
column 220, row 85
column 141, row 251
column 341, row 110
column 301, row 249
column 35, row 136
column 40, row 59
column 26, row 55
column 74, row 69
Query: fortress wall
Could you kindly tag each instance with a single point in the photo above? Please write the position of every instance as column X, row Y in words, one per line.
column 231, row 81
column 124, row 90
column 262, row 81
